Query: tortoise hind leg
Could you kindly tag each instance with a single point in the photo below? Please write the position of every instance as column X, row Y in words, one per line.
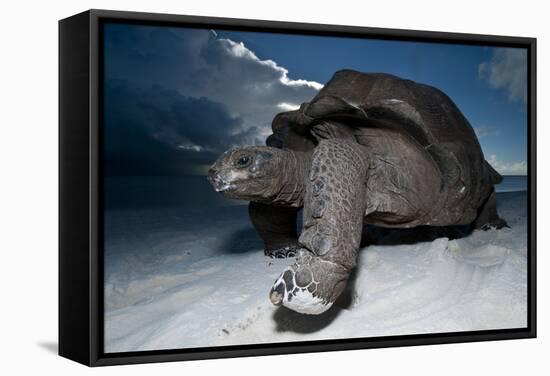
column 334, row 208
column 276, row 226
column 487, row 216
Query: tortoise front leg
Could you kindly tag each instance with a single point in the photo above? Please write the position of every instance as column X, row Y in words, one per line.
column 334, row 208
column 276, row 225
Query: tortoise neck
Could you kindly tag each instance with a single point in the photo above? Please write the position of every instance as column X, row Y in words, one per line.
column 293, row 175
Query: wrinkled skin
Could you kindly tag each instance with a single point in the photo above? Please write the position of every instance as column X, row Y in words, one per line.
column 248, row 173
column 261, row 174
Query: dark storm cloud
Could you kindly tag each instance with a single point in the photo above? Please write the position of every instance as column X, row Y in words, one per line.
column 196, row 64
column 161, row 132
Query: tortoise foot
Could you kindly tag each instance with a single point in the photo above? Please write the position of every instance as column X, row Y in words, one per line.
column 310, row 286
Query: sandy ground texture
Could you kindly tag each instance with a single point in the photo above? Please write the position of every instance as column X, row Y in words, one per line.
column 177, row 278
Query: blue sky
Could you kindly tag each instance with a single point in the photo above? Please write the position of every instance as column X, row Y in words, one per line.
column 201, row 91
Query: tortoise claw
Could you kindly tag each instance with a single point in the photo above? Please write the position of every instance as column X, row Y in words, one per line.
column 283, row 252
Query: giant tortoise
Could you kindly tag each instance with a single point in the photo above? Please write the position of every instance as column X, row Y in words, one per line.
column 369, row 148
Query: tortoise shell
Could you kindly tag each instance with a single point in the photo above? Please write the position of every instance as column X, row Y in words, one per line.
column 353, row 101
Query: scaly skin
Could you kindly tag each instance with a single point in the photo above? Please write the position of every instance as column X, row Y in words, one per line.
column 261, row 174
column 334, row 208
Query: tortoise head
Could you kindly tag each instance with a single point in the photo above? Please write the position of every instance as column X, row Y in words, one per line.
column 248, row 173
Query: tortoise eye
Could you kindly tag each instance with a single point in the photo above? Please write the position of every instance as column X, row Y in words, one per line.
column 243, row 161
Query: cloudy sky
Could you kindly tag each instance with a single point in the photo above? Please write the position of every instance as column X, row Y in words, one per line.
column 175, row 98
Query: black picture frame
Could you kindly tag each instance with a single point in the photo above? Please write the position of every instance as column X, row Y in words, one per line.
column 80, row 192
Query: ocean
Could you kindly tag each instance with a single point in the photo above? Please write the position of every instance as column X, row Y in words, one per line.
column 512, row 183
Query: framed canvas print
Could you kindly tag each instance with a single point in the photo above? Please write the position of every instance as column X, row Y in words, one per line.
column 235, row 187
